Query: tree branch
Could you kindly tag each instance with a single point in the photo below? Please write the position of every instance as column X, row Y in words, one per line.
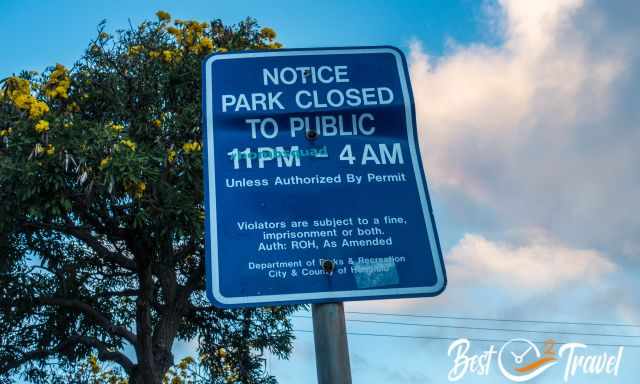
column 104, row 353
column 8, row 365
column 96, row 315
column 125, row 292
column 86, row 237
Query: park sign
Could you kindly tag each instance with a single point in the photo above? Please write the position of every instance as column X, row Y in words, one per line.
column 315, row 190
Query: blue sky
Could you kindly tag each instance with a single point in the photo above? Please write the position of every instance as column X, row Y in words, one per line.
column 62, row 29
column 528, row 122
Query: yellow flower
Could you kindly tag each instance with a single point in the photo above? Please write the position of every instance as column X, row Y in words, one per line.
column 173, row 30
column 222, row 49
column 58, row 83
column 171, row 156
column 73, row 107
column 221, row 352
column 22, row 101
column 61, row 92
column 140, row 188
column 17, row 87
column 167, row 56
column 39, row 149
column 105, row 162
column 129, row 144
column 135, row 50
column 5, row 132
column 68, row 125
column 37, row 109
column 19, row 92
column 93, row 363
column 156, row 123
column 117, row 128
column 206, row 44
column 163, row 16
column 154, row 54
column 42, row 126
column 196, row 27
column 196, row 49
column 50, row 150
column 184, row 363
column 268, row 33
column 191, row 147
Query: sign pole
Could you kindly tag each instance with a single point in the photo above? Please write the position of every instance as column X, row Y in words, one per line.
column 330, row 337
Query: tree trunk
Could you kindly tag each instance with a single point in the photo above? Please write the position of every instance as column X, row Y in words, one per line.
column 154, row 343
column 153, row 375
column 144, row 377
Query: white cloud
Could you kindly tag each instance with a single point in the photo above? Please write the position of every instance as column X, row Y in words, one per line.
column 491, row 277
column 538, row 267
column 534, row 128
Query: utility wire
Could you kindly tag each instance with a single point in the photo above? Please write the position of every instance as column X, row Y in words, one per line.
column 493, row 319
column 468, row 338
column 480, row 328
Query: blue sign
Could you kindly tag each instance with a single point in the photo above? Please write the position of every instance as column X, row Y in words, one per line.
column 315, row 190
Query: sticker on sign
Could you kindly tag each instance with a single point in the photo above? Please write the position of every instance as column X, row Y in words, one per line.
column 315, row 190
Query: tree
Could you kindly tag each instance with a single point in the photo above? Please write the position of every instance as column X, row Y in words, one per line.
column 101, row 213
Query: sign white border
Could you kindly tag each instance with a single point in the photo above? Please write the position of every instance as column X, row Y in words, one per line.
column 212, row 214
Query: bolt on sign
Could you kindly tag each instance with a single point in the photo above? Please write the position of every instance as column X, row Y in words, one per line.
column 315, row 190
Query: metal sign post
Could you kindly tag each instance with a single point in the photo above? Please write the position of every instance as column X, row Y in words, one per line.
column 330, row 338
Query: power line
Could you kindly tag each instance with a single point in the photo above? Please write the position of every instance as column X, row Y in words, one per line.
column 493, row 319
column 482, row 328
column 443, row 338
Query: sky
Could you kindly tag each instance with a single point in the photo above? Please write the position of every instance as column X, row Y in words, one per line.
column 528, row 125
